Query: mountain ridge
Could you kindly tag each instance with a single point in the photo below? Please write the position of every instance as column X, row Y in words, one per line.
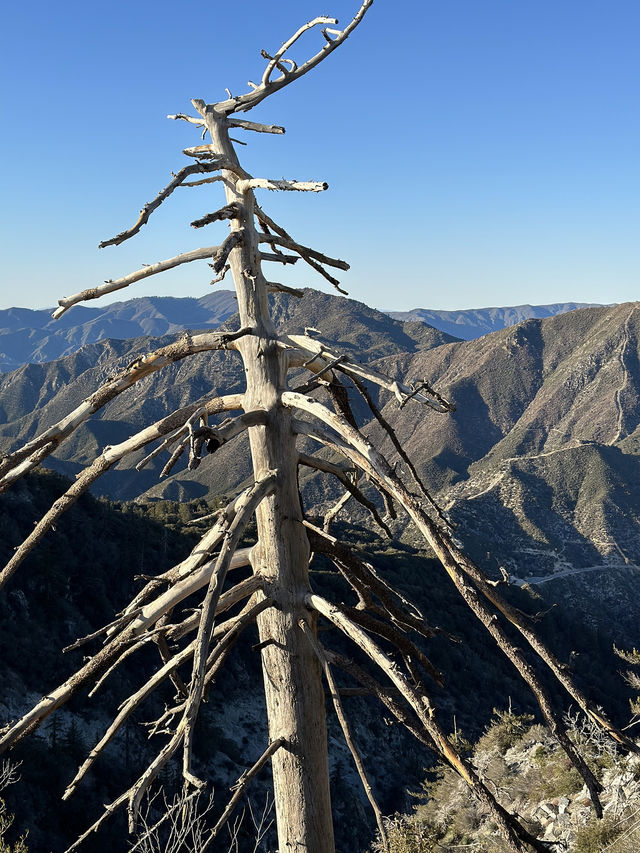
column 470, row 323
column 30, row 336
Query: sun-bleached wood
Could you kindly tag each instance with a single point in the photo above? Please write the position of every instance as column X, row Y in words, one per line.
column 120, row 283
column 281, row 599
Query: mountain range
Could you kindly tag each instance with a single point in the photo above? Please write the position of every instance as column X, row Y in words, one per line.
column 475, row 322
column 28, row 336
column 33, row 336
column 540, row 459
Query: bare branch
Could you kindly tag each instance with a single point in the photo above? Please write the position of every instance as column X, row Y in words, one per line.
column 208, row 152
column 220, row 259
column 267, row 223
column 314, row 354
column 457, row 564
column 247, row 184
column 276, row 287
column 257, row 128
column 192, row 583
column 99, row 466
column 352, row 489
column 120, row 283
column 246, row 102
column 190, row 119
column 367, row 581
column 240, row 787
column 386, row 695
column 148, row 209
column 214, row 180
column 37, row 449
column 55, row 698
column 134, row 701
column 384, row 423
column 228, row 632
column 303, row 250
column 344, row 724
column 281, row 259
column 244, row 510
column 333, row 511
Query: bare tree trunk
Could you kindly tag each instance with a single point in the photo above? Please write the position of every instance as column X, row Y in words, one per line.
column 291, row 672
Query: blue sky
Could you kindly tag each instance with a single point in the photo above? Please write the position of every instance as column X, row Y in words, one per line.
column 478, row 153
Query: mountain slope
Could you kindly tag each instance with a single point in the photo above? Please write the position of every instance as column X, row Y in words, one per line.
column 36, row 396
column 541, row 454
column 32, row 337
column 538, row 465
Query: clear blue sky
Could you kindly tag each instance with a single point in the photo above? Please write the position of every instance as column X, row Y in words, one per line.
column 478, row 153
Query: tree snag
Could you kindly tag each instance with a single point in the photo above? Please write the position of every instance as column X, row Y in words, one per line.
column 278, row 595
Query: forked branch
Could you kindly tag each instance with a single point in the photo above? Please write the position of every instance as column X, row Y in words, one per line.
column 267, row 86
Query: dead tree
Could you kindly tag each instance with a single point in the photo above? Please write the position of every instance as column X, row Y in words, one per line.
column 277, row 594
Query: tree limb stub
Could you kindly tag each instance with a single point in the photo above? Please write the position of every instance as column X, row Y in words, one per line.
column 229, row 211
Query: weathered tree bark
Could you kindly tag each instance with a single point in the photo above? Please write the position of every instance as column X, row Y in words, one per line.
column 291, row 672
